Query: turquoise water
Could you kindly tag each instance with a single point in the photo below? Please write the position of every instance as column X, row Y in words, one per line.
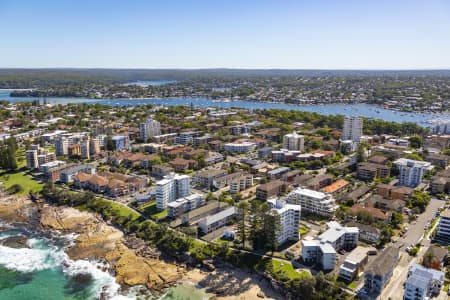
column 365, row 110
column 44, row 272
column 185, row 292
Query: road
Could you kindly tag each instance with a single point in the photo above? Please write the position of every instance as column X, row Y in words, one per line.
column 394, row 289
column 416, row 230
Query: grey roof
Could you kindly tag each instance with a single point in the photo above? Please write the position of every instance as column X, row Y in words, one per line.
column 326, row 248
column 422, row 271
column 229, row 211
column 364, row 227
column 385, row 262
column 279, row 170
column 419, row 279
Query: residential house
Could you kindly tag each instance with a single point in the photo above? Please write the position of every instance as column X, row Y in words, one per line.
column 367, row 233
column 435, row 257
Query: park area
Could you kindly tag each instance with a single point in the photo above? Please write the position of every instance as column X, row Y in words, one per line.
column 20, row 183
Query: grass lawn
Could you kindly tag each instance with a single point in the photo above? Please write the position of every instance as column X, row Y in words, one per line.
column 287, row 268
column 352, row 285
column 119, row 208
column 149, row 209
column 27, row 182
column 303, row 230
column 446, row 287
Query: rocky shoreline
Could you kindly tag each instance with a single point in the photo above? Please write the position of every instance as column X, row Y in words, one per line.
column 130, row 260
column 134, row 264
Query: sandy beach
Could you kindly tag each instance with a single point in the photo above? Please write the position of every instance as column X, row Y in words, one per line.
column 232, row 284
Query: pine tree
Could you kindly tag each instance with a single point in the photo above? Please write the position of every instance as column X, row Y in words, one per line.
column 242, row 221
column 272, row 229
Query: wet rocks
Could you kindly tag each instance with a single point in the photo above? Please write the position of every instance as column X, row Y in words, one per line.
column 16, row 242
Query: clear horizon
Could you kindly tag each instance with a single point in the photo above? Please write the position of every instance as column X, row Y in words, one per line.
column 200, row 34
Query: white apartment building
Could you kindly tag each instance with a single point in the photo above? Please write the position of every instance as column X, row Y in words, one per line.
column 313, row 251
column 187, row 137
column 411, row 171
column 243, row 147
column 185, row 204
column 423, row 283
column 149, row 129
column 170, row 188
column 289, row 217
column 323, row 249
column 313, row 201
column 218, row 220
column 37, row 156
column 294, row 142
column 63, row 141
column 353, row 128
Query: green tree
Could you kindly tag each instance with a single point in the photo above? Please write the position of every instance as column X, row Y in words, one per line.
column 396, row 219
column 415, row 141
column 272, row 230
column 242, row 221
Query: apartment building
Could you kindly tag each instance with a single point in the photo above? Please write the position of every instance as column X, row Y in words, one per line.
column 367, row 233
column 172, row 187
column 423, row 283
column 380, row 270
column 353, row 264
column 314, row 202
column 63, row 141
column 443, row 230
column 149, row 129
column 205, row 178
column 67, row 174
column 323, row 249
column 120, row 142
column 289, row 219
column 313, row 251
column 243, row 147
column 217, row 220
column 353, row 127
column 370, row 171
column 294, row 142
column 270, row 189
column 240, row 184
column 37, row 156
column 185, row 204
column 411, row 171
column 187, row 138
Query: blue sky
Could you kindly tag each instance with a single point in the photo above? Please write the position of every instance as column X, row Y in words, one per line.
column 315, row 34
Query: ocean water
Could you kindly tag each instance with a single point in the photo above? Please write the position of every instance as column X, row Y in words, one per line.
column 44, row 271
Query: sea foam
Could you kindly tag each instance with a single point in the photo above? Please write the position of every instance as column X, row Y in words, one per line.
column 42, row 255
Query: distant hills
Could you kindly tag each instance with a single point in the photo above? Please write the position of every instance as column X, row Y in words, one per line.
column 29, row 78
